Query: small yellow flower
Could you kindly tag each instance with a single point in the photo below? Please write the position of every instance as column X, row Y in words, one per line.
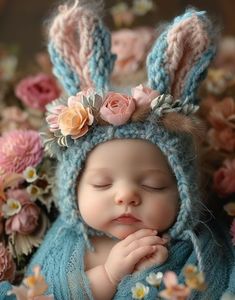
column 196, row 282
column 122, row 14
column 30, row 174
column 230, row 209
column 36, row 283
column 155, row 279
column 33, row 287
column 11, row 208
column 142, row 7
column 193, row 278
column 139, row 291
column 190, row 270
column 34, row 191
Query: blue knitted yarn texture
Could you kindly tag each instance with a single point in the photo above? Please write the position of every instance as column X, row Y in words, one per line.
column 102, row 60
column 64, row 72
column 100, row 63
column 157, row 64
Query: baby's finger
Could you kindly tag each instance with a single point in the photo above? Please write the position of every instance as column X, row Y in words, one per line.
column 137, row 235
column 144, row 241
column 135, row 256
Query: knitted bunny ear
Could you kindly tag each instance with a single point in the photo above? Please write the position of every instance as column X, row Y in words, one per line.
column 180, row 56
column 79, row 47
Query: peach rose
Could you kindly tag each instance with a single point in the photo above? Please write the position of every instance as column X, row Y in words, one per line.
column 26, row 221
column 117, row 108
column 143, row 95
column 75, row 119
column 224, row 179
column 7, row 265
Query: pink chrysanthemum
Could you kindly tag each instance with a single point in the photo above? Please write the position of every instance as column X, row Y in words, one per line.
column 232, row 231
column 20, row 149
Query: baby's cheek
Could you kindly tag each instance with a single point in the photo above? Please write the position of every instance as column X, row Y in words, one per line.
column 162, row 216
column 92, row 211
column 88, row 210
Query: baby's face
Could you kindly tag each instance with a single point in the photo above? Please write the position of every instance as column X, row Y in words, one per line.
column 127, row 185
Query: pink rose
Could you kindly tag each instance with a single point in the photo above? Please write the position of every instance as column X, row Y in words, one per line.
column 143, row 95
column 7, row 265
column 26, row 221
column 37, row 91
column 20, row 195
column 117, row 108
column 224, row 178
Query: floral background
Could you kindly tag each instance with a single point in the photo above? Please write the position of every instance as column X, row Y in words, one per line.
column 27, row 172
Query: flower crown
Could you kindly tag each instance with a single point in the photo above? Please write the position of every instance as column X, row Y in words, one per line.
column 72, row 118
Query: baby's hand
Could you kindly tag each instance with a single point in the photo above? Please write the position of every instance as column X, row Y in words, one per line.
column 158, row 257
column 126, row 254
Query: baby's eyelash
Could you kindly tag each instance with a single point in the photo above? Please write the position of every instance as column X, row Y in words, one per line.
column 153, row 188
column 101, row 185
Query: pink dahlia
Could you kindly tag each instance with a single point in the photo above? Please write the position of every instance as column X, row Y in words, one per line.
column 20, row 149
column 7, row 265
column 37, row 91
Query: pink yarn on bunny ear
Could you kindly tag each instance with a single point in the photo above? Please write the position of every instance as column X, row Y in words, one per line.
column 79, row 47
column 182, row 52
column 181, row 55
column 62, row 35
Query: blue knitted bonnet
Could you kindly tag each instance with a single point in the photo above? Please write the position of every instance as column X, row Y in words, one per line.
column 79, row 46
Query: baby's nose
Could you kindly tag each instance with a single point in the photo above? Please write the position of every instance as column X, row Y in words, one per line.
column 128, row 197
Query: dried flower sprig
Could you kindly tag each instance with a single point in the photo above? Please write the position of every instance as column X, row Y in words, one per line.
column 32, row 288
column 194, row 280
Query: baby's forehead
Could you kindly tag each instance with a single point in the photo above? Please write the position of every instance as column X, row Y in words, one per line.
column 127, row 153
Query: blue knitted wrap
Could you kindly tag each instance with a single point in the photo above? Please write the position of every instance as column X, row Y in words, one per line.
column 62, row 259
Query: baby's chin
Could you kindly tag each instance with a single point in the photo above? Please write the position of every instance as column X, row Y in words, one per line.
column 122, row 232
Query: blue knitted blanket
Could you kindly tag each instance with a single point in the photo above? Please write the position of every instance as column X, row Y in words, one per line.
column 62, row 259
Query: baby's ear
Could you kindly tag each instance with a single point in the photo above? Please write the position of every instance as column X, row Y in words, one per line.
column 180, row 56
column 79, row 47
